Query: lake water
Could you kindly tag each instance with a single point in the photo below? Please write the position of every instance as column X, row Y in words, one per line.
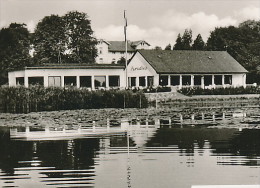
column 216, row 147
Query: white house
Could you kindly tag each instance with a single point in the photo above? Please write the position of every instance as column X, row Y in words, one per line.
column 177, row 69
column 109, row 52
column 89, row 76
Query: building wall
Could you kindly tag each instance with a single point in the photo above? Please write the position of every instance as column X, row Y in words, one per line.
column 239, row 80
column 65, row 72
column 138, row 67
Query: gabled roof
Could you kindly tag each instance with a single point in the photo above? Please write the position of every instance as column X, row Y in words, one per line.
column 119, row 46
column 136, row 43
column 181, row 61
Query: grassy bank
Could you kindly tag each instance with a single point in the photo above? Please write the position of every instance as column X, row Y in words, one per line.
column 35, row 99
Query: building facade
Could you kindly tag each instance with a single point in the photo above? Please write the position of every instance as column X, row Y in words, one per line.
column 109, row 52
column 147, row 68
column 87, row 76
column 178, row 69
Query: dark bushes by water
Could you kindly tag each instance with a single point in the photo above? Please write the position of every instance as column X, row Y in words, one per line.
column 34, row 99
column 220, row 91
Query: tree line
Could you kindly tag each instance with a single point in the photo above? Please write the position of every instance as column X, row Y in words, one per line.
column 57, row 39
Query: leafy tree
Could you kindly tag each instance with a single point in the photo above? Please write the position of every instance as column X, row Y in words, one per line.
column 198, row 44
column 168, row 47
column 157, row 48
column 243, row 43
column 80, row 42
column 66, row 39
column 14, row 49
column 186, row 39
column 178, row 43
column 49, row 40
column 121, row 61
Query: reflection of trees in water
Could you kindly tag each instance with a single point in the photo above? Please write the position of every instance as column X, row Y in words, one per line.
column 186, row 137
column 120, row 141
column 77, row 154
column 74, row 154
column 11, row 152
column 245, row 143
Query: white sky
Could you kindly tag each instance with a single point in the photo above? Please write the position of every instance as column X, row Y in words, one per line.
column 156, row 21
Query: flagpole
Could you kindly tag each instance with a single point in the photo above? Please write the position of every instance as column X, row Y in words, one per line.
column 126, row 80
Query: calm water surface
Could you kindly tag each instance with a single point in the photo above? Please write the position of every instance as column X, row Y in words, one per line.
column 221, row 147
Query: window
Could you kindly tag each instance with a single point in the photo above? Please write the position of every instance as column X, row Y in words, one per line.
column 114, row 81
column 20, row 81
column 100, row 50
column 218, row 79
column 85, row 81
column 150, row 81
column 70, row 81
column 197, row 80
column 175, row 80
column 35, row 81
column 186, row 80
column 207, row 80
column 100, row 81
column 100, row 60
column 54, row 81
column 228, row 79
column 163, row 80
column 132, row 81
column 142, row 81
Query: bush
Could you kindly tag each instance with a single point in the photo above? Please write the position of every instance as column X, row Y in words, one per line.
column 38, row 98
column 220, row 91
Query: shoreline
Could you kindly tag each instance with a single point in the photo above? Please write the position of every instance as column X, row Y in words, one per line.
column 86, row 117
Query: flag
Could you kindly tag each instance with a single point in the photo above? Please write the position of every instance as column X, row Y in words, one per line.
column 125, row 24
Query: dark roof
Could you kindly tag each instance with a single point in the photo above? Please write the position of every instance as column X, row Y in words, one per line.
column 136, row 43
column 119, row 46
column 183, row 61
column 77, row 66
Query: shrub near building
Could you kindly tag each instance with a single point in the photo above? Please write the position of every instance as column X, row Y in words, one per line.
column 24, row 100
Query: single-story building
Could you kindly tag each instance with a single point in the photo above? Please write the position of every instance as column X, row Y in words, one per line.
column 90, row 76
column 178, row 68
column 147, row 68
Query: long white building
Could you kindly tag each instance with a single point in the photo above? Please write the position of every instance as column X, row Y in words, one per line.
column 147, row 68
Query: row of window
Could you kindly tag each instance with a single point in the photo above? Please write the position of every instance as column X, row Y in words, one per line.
column 85, row 81
column 175, row 80
column 142, row 81
column 186, row 80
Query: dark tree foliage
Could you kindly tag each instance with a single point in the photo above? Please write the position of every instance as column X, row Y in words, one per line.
column 198, row 44
column 186, row 39
column 178, row 43
column 14, row 49
column 168, row 47
column 80, row 42
column 121, row 61
column 242, row 43
column 66, row 39
column 157, row 48
column 49, row 40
